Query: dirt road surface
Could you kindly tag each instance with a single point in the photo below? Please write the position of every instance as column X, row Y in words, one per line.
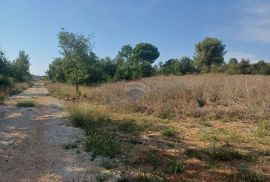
column 32, row 142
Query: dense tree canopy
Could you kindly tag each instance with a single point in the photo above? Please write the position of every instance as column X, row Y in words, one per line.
column 145, row 52
column 209, row 52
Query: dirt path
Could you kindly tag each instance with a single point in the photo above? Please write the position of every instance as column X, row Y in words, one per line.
column 32, row 142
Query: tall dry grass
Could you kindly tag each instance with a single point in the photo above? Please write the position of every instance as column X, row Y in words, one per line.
column 244, row 97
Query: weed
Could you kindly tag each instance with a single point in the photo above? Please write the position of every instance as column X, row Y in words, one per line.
column 128, row 127
column 167, row 114
column 246, row 174
column 100, row 177
column 223, row 153
column 26, row 103
column 207, row 136
column 101, row 143
column 263, row 128
column 178, row 166
column 169, row 132
column 108, row 164
column 71, row 145
column 2, row 99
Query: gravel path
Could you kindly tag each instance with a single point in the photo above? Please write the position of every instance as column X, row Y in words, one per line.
column 32, row 142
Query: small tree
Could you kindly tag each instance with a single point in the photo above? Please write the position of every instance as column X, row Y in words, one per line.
column 232, row 66
column 76, row 49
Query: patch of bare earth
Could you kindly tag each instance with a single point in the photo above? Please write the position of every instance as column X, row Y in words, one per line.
column 32, row 142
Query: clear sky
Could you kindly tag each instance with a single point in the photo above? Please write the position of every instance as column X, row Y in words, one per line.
column 174, row 26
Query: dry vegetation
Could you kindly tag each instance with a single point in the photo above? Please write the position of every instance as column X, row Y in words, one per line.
column 210, row 127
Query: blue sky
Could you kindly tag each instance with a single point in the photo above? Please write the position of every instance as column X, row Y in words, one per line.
column 174, row 26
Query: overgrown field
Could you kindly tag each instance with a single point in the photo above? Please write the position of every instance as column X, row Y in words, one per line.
column 189, row 128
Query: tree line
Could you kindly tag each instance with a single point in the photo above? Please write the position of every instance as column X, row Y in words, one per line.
column 80, row 65
column 13, row 71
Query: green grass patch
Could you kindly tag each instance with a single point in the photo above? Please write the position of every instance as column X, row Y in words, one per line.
column 2, row 99
column 101, row 143
column 167, row 114
column 206, row 135
column 223, row 153
column 263, row 128
column 26, row 103
column 128, row 127
column 169, row 132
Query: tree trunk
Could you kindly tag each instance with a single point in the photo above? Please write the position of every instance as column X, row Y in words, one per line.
column 76, row 81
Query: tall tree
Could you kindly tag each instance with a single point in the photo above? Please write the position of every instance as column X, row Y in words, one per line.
column 208, row 52
column 124, row 54
column 21, row 67
column 145, row 52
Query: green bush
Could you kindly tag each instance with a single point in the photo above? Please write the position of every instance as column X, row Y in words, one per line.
column 26, row 103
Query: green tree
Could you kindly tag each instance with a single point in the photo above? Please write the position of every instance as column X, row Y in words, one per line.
column 124, row 54
column 21, row 67
column 209, row 52
column 232, row 66
column 76, row 49
column 187, row 65
column 108, row 67
column 145, row 52
column 5, row 65
column 245, row 67
column 56, row 70
column 262, row 68
column 171, row 66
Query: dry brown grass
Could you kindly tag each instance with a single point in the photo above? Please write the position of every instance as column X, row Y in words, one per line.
column 220, row 115
column 212, row 96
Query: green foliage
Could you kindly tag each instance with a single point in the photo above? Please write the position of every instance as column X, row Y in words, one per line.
column 263, row 128
column 223, row 153
column 79, row 65
column 26, row 103
column 209, row 52
column 128, row 127
column 144, row 52
column 101, row 143
column 169, row 132
column 21, row 67
column 245, row 67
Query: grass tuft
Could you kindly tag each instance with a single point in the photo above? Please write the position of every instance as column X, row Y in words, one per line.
column 26, row 103
column 169, row 132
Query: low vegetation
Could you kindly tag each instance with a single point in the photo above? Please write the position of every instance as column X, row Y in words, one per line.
column 26, row 103
column 165, row 134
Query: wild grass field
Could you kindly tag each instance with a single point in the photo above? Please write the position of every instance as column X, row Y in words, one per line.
column 176, row 128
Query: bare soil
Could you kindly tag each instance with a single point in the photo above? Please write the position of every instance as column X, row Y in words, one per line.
column 32, row 142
